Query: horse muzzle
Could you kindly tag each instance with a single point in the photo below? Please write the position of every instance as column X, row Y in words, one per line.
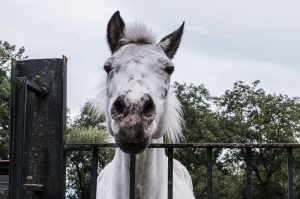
column 133, row 123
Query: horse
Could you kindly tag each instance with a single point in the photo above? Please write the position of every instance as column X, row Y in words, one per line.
column 141, row 108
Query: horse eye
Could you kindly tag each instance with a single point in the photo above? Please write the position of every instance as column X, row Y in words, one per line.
column 107, row 68
column 169, row 69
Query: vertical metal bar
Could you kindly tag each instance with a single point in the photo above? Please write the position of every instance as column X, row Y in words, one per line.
column 24, row 132
column 290, row 173
column 170, row 172
column 248, row 173
column 132, row 177
column 12, row 125
column 95, row 151
column 17, row 128
column 209, row 173
column 64, row 122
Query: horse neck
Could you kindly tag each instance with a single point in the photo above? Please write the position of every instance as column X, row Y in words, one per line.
column 151, row 171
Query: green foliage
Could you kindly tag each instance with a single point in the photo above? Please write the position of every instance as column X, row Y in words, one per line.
column 79, row 162
column 7, row 52
column 4, row 114
column 248, row 115
column 202, row 125
column 90, row 135
column 244, row 114
column 200, row 121
column 89, row 117
column 85, row 129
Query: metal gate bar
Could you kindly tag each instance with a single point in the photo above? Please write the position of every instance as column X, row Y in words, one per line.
column 209, row 172
column 170, row 172
column 16, row 171
column 94, row 173
column 290, row 173
column 132, row 177
column 248, row 158
column 87, row 147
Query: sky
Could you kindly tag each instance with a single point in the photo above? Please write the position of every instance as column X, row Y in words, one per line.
column 224, row 41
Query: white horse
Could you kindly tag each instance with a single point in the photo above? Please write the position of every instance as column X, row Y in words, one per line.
column 140, row 108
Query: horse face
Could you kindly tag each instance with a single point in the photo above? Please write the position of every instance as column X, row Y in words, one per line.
column 137, row 85
column 138, row 81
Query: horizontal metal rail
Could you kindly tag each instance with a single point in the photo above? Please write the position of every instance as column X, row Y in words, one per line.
column 87, row 147
column 209, row 147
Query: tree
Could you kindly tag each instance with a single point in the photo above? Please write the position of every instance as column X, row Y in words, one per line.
column 89, row 116
column 201, row 124
column 244, row 114
column 7, row 52
column 248, row 115
column 85, row 129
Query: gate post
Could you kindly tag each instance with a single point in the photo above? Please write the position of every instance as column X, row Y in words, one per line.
column 38, row 123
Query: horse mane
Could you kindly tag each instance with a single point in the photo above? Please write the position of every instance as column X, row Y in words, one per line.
column 171, row 120
column 138, row 33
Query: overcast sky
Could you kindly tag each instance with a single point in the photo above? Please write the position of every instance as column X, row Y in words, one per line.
column 224, row 41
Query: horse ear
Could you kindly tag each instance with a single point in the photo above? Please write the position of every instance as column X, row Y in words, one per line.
column 115, row 30
column 171, row 42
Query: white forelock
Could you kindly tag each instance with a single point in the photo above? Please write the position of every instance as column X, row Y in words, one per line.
column 138, row 33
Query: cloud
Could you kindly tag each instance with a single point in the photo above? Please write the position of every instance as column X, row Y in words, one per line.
column 218, row 73
column 224, row 42
column 198, row 29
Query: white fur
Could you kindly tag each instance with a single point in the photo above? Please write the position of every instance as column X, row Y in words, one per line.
column 143, row 73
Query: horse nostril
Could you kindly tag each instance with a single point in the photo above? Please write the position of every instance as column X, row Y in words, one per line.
column 148, row 107
column 118, row 106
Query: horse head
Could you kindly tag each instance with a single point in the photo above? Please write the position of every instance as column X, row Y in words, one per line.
column 138, row 83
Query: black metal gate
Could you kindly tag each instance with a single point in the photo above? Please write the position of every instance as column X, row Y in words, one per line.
column 209, row 162
column 38, row 119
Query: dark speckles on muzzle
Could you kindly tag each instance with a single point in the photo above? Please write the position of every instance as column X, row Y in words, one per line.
column 133, row 120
